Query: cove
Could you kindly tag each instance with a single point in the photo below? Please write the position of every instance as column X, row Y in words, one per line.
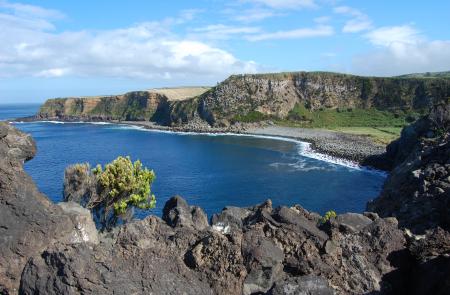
column 210, row 171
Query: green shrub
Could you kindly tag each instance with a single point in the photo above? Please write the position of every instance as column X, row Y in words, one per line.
column 327, row 216
column 111, row 192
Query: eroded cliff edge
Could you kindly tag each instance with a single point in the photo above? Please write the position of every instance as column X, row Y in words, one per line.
column 261, row 95
column 241, row 250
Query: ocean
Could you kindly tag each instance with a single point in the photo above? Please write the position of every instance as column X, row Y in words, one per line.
column 210, row 171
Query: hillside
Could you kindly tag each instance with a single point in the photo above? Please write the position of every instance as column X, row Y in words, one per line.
column 295, row 95
column 445, row 74
column 307, row 99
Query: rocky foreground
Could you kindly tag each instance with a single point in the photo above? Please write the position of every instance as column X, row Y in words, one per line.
column 47, row 248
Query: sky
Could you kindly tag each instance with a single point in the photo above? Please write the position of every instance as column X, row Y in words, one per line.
column 70, row 48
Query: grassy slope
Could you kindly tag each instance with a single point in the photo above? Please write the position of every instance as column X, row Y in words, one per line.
column 382, row 126
column 383, row 135
column 427, row 75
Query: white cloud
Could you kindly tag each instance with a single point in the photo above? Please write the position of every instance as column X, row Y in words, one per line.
column 223, row 32
column 252, row 15
column 400, row 50
column 319, row 31
column 20, row 9
column 359, row 22
column 285, row 4
column 149, row 50
column 387, row 36
column 322, row 19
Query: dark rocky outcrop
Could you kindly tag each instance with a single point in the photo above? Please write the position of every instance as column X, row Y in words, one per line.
column 29, row 222
column 417, row 191
column 139, row 258
column 262, row 256
column 177, row 212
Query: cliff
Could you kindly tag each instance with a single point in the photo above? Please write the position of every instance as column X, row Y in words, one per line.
column 255, row 97
column 151, row 105
column 247, row 98
column 417, row 191
column 29, row 221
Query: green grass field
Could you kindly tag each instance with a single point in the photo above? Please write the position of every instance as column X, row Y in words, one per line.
column 348, row 117
column 382, row 126
column 383, row 135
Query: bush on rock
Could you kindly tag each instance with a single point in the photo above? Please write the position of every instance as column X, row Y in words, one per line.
column 110, row 192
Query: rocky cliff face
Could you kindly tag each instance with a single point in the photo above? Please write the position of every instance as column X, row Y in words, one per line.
column 137, row 106
column 418, row 190
column 29, row 222
column 276, row 94
column 269, row 95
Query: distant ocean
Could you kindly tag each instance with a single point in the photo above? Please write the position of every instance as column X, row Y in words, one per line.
column 210, row 171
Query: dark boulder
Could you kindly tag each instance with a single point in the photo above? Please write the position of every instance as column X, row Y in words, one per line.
column 230, row 217
column 352, row 222
column 301, row 220
column 177, row 213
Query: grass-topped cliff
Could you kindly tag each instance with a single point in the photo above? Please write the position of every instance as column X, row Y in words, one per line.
column 281, row 96
column 151, row 105
column 305, row 99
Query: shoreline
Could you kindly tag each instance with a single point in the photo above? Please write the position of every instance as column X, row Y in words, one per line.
column 331, row 146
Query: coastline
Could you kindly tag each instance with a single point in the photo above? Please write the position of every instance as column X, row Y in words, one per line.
column 332, row 146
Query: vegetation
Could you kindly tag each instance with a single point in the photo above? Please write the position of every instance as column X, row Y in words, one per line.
column 382, row 135
column 382, row 126
column 112, row 192
column 253, row 116
column 301, row 116
column 427, row 75
column 328, row 215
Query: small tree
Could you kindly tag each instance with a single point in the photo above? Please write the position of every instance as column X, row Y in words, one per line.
column 112, row 192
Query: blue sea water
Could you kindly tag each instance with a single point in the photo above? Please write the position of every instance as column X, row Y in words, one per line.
column 210, row 171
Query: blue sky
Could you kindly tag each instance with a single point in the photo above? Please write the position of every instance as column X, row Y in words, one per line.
column 71, row 48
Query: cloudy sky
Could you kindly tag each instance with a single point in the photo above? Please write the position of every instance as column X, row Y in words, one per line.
column 67, row 48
